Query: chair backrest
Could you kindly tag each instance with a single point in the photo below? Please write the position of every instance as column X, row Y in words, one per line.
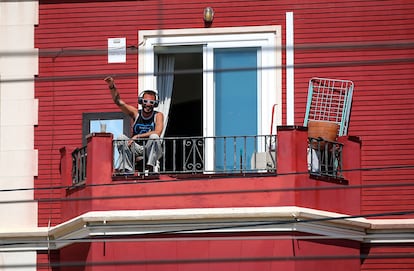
column 329, row 100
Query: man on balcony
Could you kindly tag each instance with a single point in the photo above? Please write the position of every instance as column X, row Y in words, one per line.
column 148, row 124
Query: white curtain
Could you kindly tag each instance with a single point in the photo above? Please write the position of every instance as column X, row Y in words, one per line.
column 165, row 80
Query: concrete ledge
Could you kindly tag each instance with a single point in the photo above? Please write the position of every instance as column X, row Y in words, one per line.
column 318, row 224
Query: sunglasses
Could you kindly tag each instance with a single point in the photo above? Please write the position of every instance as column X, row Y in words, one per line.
column 151, row 102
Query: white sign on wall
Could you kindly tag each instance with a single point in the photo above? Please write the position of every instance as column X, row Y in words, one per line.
column 116, row 50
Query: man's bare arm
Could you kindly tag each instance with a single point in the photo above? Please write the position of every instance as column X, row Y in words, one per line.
column 127, row 109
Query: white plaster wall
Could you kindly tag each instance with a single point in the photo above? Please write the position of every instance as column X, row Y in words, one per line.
column 23, row 259
column 18, row 115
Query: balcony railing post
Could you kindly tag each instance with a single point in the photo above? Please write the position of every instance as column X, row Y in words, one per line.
column 66, row 166
column 351, row 164
column 99, row 159
column 351, row 158
column 292, row 143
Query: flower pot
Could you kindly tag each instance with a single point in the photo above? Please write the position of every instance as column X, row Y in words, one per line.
column 326, row 130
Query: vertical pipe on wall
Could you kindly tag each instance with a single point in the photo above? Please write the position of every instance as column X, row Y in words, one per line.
column 290, row 76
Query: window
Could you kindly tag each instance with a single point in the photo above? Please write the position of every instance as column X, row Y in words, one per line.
column 116, row 123
column 226, row 82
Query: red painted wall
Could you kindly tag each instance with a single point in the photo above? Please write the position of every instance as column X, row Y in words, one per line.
column 368, row 42
column 265, row 253
column 387, row 256
column 382, row 104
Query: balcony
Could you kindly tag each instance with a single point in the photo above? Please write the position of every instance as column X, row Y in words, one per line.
column 287, row 169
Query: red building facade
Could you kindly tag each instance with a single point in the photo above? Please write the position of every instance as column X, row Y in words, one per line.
column 286, row 220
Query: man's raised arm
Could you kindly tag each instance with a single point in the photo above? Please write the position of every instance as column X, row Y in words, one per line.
column 127, row 109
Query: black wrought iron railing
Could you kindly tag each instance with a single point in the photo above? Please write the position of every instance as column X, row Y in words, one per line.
column 79, row 165
column 208, row 155
column 215, row 155
column 325, row 158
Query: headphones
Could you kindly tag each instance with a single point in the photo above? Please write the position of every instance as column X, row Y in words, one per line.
column 150, row 91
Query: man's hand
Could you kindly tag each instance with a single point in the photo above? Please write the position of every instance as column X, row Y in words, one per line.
column 110, row 81
column 132, row 140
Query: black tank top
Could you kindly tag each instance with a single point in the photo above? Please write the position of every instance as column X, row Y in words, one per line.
column 143, row 125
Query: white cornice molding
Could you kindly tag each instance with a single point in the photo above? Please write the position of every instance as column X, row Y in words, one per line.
column 144, row 34
column 177, row 222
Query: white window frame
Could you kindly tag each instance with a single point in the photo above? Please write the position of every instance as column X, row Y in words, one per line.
column 268, row 38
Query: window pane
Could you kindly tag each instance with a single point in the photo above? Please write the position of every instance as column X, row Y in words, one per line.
column 235, row 104
column 114, row 126
column 116, row 123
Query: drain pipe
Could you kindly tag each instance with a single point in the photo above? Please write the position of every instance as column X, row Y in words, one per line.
column 290, row 75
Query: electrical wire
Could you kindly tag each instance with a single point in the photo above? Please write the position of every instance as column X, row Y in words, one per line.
column 239, row 259
column 198, row 177
column 192, row 71
column 61, row 52
column 133, row 49
column 160, row 234
column 188, row 236
column 309, row 188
